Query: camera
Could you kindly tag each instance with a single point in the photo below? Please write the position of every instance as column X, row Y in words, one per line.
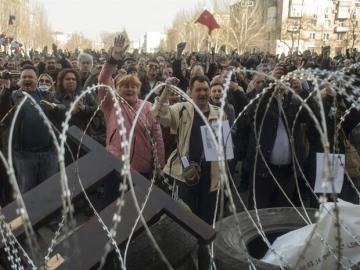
column 6, row 75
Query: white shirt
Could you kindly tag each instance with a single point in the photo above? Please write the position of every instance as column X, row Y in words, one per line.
column 281, row 152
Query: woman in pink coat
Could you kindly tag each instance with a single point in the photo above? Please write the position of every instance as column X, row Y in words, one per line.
column 128, row 87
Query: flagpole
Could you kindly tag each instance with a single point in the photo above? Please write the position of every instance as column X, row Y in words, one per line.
column 209, row 40
column 209, row 43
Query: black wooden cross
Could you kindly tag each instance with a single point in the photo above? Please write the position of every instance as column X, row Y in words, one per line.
column 95, row 166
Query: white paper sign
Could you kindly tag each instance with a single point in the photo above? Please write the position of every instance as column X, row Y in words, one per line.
column 337, row 170
column 209, row 145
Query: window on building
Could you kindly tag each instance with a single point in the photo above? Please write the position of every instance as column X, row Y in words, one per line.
column 313, row 22
column 343, row 9
column 327, row 23
column 327, row 12
column 312, row 35
column 296, row 9
column 340, row 36
column 326, row 36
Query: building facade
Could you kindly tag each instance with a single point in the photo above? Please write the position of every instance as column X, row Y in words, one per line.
column 292, row 25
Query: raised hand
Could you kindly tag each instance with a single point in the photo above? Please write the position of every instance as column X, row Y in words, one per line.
column 233, row 53
column 172, row 81
column 180, row 48
column 120, row 47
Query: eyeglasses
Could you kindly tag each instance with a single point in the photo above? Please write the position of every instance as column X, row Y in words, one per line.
column 153, row 66
column 44, row 81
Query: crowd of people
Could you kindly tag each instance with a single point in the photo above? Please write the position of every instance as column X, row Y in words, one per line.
column 274, row 138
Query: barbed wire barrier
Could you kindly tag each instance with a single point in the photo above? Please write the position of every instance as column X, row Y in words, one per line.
column 345, row 85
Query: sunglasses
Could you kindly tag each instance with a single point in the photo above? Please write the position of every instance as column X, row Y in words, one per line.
column 153, row 66
column 44, row 81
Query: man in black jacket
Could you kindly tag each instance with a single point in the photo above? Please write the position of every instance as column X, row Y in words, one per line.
column 266, row 134
column 151, row 79
column 34, row 156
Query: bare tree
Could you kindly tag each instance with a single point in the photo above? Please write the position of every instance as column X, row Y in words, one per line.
column 290, row 33
column 41, row 35
column 184, row 29
column 352, row 34
column 222, row 37
column 28, row 17
column 295, row 29
column 78, row 40
column 196, row 35
column 247, row 25
column 239, row 29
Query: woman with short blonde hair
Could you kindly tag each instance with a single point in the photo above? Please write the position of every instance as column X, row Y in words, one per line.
column 141, row 150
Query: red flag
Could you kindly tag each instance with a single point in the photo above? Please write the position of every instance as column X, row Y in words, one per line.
column 207, row 19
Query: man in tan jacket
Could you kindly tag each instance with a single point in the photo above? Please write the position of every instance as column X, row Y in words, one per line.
column 185, row 122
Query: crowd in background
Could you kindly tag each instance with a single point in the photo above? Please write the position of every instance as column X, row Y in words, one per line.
column 276, row 138
column 57, row 77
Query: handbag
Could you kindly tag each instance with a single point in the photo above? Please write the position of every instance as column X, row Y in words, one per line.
column 192, row 173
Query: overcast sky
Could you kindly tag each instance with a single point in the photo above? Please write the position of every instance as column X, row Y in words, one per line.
column 94, row 16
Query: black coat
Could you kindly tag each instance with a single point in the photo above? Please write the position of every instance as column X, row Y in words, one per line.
column 9, row 100
column 81, row 118
column 183, row 80
column 334, row 108
column 252, row 123
column 146, row 88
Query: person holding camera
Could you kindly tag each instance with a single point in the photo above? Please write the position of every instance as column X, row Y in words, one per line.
column 12, row 78
column 197, row 180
